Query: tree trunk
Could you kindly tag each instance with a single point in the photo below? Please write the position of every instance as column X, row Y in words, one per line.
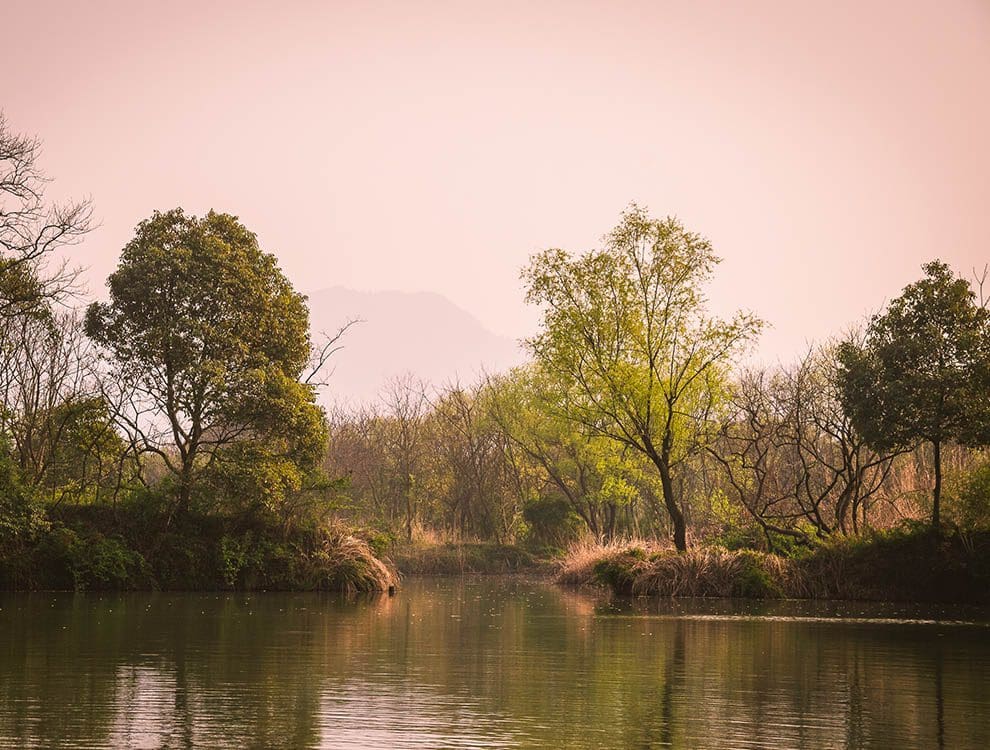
column 676, row 517
column 409, row 517
column 608, row 534
column 185, row 493
column 181, row 504
column 937, row 494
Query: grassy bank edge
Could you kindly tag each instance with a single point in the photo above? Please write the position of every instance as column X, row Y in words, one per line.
column 906, row 564
column 459, row 558
column 129, row 548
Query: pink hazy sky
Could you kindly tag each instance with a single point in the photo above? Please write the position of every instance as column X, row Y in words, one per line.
column 827, row 149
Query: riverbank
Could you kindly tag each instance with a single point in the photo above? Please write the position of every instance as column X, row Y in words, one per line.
column 131, row 548
column 908, row 564
column 456, row 558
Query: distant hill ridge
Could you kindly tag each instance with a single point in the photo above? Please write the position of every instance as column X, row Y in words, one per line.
column 422, row 333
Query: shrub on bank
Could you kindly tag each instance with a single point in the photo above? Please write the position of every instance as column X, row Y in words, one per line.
column 909, row 562
column 76, row 552
column 905, row 564
column 589, row 563
column 701, row 571
column 342, row 562
column 106, row 563
column 967, row 500
column 713, row 571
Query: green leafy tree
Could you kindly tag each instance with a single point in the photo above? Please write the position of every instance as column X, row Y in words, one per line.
column 922, row 374
column 595, row 477
column 211, row 340
column 85, row 451
column 632, row 351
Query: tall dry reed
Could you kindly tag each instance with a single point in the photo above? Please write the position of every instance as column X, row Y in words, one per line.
column 347, row 563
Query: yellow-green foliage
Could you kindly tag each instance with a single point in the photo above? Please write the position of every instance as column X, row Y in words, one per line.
column 98, row 548
column 968, row 499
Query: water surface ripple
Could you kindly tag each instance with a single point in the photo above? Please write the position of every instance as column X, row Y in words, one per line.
column 487, row 663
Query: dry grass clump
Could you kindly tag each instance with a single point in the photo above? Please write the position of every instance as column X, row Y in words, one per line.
column 714, row 571
column 346, row 563
column 644, row 568
column 578, row 566
column 908, row 563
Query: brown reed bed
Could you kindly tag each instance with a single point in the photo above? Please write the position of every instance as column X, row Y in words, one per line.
column 910, row 564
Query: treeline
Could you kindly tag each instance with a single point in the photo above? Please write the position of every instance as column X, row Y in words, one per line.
column 172, row 434
column 635, row 419
column 492, row 462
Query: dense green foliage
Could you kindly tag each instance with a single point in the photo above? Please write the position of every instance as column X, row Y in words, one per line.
column 923, row 371
column 210, row 340
column 183, row 449
column 122, row 548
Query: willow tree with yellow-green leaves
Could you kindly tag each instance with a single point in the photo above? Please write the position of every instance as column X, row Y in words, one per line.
column 597, row 478
column 629, row 347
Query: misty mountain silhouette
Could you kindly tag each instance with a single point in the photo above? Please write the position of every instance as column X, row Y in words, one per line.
column 422, row 333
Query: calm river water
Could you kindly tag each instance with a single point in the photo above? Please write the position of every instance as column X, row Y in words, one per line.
column 486, row 662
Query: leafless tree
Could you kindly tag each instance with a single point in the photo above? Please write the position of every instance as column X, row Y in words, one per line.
column 357, row 453
column 316, row 375
column 32, row 229
column 406, row 408
column 791, row 456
